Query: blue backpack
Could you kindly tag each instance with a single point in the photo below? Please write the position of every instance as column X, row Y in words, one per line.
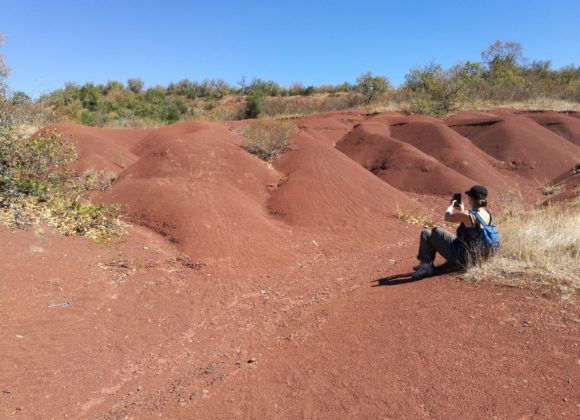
column 487, row 240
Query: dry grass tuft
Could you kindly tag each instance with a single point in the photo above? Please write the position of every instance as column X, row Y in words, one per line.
column 96, row 180
column 534, row 104
column 539, row 247
column 266, row 139
column 415, row 219
column 550, row 190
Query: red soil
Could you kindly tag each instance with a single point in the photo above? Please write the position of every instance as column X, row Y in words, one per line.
column 329, row 194
column 105, row 149
column 400, row 164
column 189, row 180
column 561, row 124
column 521, row 143
column 436, row 139
column 245, row 291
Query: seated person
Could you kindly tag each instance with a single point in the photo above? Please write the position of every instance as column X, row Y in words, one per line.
column 460, row 249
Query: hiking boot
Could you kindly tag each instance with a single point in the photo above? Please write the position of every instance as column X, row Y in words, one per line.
column 423, row 270
column 417, row 266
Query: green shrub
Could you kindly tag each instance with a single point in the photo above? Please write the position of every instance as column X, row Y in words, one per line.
column 90, row 96
column 254, row 103
column 135, row 85
column 432, row 91
column 36, row 185
column 371, row 86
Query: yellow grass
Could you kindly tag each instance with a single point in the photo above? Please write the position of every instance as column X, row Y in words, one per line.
column 538, row 104
column 539, row 247
column 414, row 218
column 266, row 138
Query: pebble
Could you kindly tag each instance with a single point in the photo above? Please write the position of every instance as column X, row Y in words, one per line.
column 196, row 394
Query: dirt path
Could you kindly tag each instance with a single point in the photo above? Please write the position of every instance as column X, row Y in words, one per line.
column 316, row 341
column 430, row 349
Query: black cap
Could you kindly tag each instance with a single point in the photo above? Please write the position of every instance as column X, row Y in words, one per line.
column 477, row 191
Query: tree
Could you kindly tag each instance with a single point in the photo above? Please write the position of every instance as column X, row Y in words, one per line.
column 4, row 70
column 434, row 91
column 219, row 88
column 20, row 98
column 135, row 85
column 371, row 86
column 503, row 53
column 254, row 103
column 113, row 85
column 504, row 61
column 295, row 88
column 243, row 85
column 267, row 87
column 89, row 95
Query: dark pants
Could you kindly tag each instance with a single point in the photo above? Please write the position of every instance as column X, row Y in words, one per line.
column 436, row 240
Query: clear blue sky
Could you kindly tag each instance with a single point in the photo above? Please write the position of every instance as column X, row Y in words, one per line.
column 315, row 42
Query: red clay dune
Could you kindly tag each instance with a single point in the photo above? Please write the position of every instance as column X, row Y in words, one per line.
column 519, row 142
column 327, row 192
column 459, row 162
column 456, row 152
column 400, row 164
column 105, row 149
column 194, row 185
column 330, row 128
column 559, row 123
column 284, row 318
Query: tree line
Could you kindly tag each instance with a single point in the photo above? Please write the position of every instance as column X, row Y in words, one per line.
column 503, row 75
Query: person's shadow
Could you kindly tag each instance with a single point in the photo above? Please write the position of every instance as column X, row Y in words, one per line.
column 403, row 278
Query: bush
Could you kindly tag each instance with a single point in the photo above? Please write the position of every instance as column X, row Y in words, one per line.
column 135, row 85
column 432, row 90
column 297, row 105
column 266, row 139
column 90, row 96
column 371, row 86
column 36, row 185
column 254, row 103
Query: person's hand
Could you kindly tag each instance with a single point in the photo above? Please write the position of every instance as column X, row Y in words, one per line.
column 451, row 207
